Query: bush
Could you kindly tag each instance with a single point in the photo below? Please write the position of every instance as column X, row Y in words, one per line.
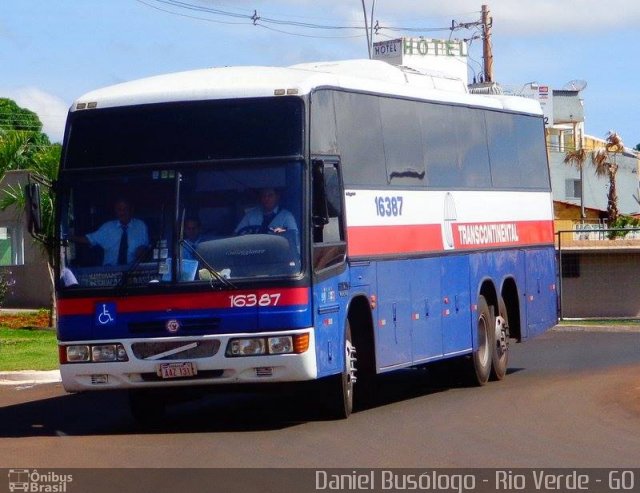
column 4, row 285
column 626, row 222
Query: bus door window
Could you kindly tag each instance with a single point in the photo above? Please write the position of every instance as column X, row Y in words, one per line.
column 328, row 218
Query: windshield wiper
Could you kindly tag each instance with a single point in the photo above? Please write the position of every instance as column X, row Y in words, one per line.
column 215, row 275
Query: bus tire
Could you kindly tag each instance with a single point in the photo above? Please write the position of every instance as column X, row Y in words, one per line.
column 500, row 343
column 146, row 407
column 341, row 386
column 481, row 357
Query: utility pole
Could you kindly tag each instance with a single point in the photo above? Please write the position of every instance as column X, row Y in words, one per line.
column 368, row 27
column 487, row 52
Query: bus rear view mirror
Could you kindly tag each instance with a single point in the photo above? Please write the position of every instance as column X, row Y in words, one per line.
column 34, row 209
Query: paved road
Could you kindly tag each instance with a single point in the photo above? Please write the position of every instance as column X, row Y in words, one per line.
column 571, row 399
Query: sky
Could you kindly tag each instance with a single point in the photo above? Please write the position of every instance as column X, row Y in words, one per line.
column 53, row 51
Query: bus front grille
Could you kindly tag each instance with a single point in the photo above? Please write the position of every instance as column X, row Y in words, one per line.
column 173, row 350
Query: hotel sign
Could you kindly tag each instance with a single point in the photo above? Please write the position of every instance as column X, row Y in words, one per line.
column 420, row 47
column 445, row 56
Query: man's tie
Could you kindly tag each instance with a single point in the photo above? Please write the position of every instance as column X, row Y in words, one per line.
column 266, row 220
column 124, row 246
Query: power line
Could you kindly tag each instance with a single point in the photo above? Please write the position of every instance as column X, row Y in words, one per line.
column 253, row 17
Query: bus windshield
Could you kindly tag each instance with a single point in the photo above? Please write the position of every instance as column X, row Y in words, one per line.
column 193, row 224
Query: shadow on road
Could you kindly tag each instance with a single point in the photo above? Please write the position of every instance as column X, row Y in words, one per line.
column 107, row 412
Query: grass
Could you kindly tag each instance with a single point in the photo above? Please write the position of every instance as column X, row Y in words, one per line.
column 28, row 349
column 26, row 343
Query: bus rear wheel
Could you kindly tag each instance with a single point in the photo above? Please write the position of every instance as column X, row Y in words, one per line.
column 500, row 343
column 481, row 357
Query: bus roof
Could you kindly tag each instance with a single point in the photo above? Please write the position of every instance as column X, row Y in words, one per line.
column 251, row 81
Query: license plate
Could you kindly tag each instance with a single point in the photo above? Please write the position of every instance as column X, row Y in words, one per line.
column 177, row 370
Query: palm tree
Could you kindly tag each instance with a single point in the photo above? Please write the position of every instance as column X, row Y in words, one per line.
column 43, row 166
column 577, row 158
column 604, row 162
column 14, row 149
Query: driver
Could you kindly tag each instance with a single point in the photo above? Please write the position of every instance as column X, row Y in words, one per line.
column 268, row 217
column 124, row 240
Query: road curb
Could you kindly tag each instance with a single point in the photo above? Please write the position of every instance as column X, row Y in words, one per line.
column 29, row 377
column 577, row 327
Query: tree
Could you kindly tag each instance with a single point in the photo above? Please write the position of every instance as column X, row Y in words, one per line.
column 13, row 117
column 604, row 163
column 577, row 159
column 23, row 146
column 21, row 136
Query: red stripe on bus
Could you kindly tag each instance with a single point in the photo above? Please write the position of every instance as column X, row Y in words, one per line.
column 383, row 240
column 388, row 240
column 191, row 301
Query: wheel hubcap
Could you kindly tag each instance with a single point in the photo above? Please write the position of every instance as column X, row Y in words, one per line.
column 502, row 340
column 350, row 362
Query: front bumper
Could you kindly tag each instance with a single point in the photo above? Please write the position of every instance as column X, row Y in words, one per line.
column 142, row 370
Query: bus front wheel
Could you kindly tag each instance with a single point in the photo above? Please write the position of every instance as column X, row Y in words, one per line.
column 340, row 395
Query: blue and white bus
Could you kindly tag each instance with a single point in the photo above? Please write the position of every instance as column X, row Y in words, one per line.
column 422, row 230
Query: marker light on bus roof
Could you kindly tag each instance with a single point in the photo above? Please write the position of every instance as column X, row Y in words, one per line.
column 88, row 106
column 289, row 92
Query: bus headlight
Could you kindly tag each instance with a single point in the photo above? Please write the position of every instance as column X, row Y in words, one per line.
column 77, row 354
column 108, row 352
column 99, row 353
column 280, row 345
column 246, row 347
column 260, row 346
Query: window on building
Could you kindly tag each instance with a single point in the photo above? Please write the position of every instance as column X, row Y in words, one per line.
column 11, row 245
column 570, row 265
column 572, row 189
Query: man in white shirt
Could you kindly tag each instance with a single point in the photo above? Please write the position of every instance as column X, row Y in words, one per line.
column 269, row 217
column 122, row 239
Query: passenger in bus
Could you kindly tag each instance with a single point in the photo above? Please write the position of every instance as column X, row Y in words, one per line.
column 123, row 240
column 268, row 217
column 192, row 238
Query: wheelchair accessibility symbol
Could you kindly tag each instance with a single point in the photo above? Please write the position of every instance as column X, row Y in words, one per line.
column 105, row 314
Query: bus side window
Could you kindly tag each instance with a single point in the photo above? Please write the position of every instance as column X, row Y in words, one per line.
column 328, row 220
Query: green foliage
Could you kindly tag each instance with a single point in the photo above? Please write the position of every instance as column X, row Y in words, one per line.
column 628, row 222
column 13, row 117
column 5, row 283
column 23, row 146
column 21, row 136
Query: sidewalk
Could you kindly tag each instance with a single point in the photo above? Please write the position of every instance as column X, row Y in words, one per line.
column 29, row 377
